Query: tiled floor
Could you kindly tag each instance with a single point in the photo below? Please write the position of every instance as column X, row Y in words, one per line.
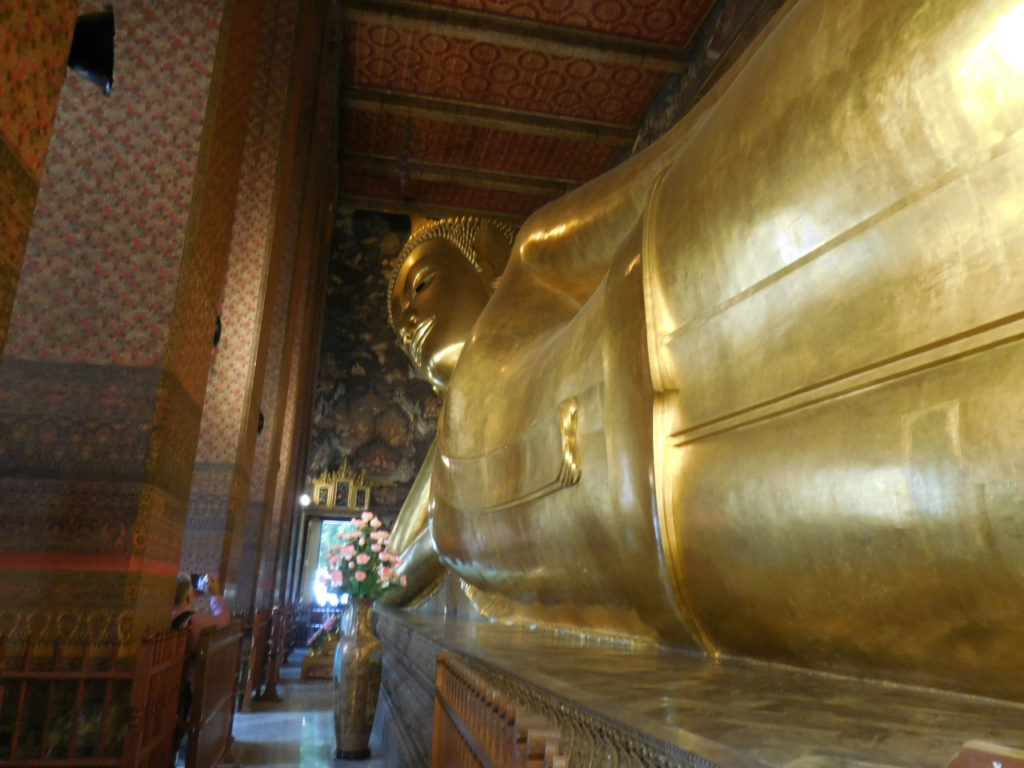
column 298, row 731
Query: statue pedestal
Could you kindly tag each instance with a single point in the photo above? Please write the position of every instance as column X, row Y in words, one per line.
column 653, row 706
column 318, row 664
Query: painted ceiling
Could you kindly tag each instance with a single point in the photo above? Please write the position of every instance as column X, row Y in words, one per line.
column 498, row 106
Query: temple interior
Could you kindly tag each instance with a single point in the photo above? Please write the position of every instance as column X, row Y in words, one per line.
column 729, row 471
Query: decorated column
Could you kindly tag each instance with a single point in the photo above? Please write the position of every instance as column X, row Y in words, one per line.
column 108, row 347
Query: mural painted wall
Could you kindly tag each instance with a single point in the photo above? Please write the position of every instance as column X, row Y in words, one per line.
column 370, row 409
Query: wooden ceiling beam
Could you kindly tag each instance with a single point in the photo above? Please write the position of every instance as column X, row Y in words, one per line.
column 497, row 118
column 430, row 210
column 516, row 33
column 449, row 174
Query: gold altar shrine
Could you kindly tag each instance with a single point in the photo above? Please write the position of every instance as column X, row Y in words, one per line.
column 343, row 488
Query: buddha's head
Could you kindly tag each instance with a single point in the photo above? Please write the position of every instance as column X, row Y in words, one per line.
column 445, row 276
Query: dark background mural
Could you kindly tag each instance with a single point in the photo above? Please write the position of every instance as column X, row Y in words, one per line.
column 369, row 409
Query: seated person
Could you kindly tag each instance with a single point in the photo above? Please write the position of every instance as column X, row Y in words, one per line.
column 210, row 597
column 184, row 614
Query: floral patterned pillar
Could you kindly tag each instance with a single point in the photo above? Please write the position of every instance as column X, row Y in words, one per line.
column 107, row 353
column 34, row 42
column 238, row 465
column 228, row 433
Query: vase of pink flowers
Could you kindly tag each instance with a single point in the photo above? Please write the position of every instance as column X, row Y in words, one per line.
column 358, row 565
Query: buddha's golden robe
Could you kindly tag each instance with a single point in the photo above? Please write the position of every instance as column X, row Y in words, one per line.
column 759, row 390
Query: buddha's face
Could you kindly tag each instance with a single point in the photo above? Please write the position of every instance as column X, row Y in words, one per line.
column 437, row 298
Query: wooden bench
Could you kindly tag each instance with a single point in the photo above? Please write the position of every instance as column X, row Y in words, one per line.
column 254, row 671
column 216, row 683
column 279, row 619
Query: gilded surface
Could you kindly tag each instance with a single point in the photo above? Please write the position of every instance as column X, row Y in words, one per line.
column 357, row 673
column 791, row 333
column 318, row 663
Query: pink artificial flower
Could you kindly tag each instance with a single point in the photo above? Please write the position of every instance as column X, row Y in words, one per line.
column 376, row 523
column 336, row 578
column 376, row 547
column 362, row 558
column 360, row 576
column 385, row 572
column 350, row 535
column 386, row 557
column 351, row 564
column 367, row 517
column 348, row 551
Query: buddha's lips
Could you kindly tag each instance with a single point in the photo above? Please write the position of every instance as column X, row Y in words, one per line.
column 419, row 334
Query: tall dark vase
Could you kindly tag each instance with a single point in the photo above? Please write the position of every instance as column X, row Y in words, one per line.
column 356, row 680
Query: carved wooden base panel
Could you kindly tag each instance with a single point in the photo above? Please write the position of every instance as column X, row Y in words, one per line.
column 405, row 711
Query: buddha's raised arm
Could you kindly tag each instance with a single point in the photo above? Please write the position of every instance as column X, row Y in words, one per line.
column 570, row 243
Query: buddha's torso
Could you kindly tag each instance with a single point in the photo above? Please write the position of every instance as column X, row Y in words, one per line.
column 796, row 392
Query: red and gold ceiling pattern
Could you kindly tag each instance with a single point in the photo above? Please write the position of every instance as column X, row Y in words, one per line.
column 498, row 76
column 498, row 105
column 663, row 22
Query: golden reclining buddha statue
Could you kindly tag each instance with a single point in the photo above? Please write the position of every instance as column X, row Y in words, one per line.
column 758, row 390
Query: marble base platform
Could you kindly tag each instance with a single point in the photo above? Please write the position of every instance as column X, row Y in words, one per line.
column 620, row 706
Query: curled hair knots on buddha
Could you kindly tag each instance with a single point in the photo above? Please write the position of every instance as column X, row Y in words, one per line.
column 484, row 243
